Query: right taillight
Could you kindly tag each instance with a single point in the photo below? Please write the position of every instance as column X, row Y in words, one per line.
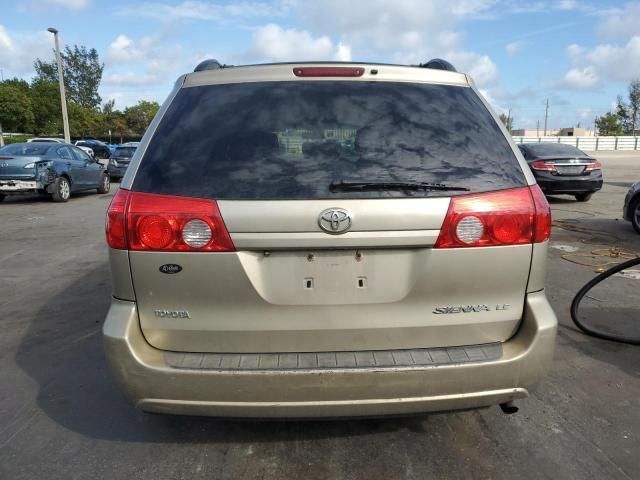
column 542, row 221
column 508, row 217
column 595, row 165
column 144, row 221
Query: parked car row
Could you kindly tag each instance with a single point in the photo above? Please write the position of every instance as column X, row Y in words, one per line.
column 49, row 168
column 558, row 169
column 95, row 148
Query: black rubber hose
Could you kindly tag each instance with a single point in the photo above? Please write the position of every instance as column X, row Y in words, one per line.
column 578, row 298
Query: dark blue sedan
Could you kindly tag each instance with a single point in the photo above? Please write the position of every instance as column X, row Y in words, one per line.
column 49, row 168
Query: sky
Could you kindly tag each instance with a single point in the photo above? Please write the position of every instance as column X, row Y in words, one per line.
column 580, row 55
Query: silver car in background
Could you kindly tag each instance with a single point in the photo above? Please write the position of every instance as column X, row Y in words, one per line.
column 324, row 240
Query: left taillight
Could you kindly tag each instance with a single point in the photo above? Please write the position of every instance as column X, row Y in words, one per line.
column 542, row 165
column 116, row 226
column 150, row 222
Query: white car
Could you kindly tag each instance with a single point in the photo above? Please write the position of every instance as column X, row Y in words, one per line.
column 87, row 150
column 46, row 140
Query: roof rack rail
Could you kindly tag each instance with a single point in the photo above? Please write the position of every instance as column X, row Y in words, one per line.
column 209, row 64
column 438, row 64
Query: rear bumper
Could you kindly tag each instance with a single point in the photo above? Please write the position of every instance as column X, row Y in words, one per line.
column 150, row 383
column 557, row 184
column 117, row 172
column 8, row 187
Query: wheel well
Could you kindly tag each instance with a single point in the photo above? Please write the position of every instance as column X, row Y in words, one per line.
column 629, row 211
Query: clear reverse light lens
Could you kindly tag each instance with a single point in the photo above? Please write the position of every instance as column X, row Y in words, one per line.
column 196, row 233
column 469, row 229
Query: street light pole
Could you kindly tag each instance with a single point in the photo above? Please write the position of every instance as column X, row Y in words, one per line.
column 63, row 97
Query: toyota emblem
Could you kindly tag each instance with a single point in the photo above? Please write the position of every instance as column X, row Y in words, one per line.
column 335, row 220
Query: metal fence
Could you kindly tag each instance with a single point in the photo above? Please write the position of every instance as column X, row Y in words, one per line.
column 588, row 143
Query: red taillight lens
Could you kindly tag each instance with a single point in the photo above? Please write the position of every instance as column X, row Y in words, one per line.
column 144, row 221
column 541, row 165
column 328, row 71
column 507, row 217
column 154, row 231
column 593, row 166
column 116, row 223
column 542, row 224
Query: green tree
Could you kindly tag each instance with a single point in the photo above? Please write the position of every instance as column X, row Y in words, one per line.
column 45, row 101
column 18, row 83
column 623, row 114
column 15, row 107
column 84, row 122
column 507, row 122
column 82, row 74
column 46, row 70
column 608, row 124
column 629, row 113
column 140, row 115
column 634, row 105
column 113, row 120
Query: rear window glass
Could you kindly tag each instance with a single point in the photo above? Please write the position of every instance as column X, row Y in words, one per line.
column 546, row 149
column 291, row 140
column 26, row 149
column 125, row 152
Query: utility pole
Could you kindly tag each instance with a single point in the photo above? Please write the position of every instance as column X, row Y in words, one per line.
column 63, row 97
column 509, row 126
column 537, row 128
column 546, row 116
column 1, row 136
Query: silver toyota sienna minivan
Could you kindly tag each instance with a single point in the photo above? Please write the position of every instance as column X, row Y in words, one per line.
column 325, row 240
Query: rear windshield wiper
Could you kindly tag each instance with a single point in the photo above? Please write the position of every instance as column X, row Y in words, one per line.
column 342, row 186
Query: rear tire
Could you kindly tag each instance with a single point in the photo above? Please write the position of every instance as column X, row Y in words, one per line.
column 634, row 213
column 105, row 184
column 62, row 190
column 584, row 197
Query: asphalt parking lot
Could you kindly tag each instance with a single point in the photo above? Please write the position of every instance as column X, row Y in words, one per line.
column 62, row 417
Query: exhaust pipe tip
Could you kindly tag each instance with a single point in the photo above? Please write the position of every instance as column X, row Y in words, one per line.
column 509, row 408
